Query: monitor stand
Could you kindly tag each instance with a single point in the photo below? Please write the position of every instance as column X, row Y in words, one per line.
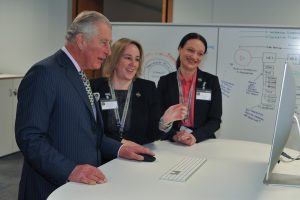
column 284, row 179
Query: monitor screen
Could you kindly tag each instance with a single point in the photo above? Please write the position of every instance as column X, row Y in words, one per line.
column 283, row 124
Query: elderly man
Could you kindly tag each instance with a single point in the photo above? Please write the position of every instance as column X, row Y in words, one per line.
column 59, row 128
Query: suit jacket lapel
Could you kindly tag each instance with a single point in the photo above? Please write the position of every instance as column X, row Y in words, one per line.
column 174, row 90
column 133, row 94
column 197, row 109
column 136, row 94
column 99, row 115
column 73, row 76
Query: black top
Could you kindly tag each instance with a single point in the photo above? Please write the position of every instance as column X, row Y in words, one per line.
column 111, row 118
column 142, row 126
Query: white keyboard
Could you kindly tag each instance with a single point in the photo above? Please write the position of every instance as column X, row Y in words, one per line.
column 183, row 169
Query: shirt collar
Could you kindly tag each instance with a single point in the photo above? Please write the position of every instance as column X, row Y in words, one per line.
column 187, row 81
column 64, row 49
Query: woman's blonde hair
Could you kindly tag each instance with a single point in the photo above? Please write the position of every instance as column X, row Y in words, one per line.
column 117, row 50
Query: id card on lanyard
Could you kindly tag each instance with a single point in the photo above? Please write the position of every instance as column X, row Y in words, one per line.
column 109, row 104
column 121, row 121
column 203, row 95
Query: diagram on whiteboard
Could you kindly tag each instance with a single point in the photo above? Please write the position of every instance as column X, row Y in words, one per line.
column 158, row 64
column 250, row 69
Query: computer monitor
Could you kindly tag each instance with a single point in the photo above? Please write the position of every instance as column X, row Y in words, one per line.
column 283, row 124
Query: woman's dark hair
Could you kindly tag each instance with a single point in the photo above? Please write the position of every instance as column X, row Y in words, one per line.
column 187, row 37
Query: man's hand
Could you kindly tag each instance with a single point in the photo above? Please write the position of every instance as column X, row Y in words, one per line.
column 87, row 174
column 132, row 152
column 129, row 143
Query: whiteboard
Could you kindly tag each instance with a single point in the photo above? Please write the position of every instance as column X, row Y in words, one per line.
column 250, row 69
column 249, row 61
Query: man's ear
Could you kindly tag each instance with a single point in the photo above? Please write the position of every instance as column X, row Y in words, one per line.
column 80, row 41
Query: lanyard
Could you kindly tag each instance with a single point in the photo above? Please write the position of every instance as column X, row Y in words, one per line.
column 121, row 123
column 182, row 98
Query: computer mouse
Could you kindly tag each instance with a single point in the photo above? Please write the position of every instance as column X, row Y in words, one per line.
column 148, row 158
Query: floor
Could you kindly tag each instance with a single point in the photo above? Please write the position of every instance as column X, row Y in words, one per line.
column 10, row 171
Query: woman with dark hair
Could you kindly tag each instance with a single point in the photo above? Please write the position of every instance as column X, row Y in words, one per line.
column 199, row 91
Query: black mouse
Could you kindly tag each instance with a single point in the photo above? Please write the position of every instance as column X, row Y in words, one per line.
column 147, row 158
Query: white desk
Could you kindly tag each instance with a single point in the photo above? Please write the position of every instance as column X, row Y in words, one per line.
column 234, row 170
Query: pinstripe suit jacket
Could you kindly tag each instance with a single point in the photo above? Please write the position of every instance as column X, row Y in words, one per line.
column 55, row 127
column 207, row 114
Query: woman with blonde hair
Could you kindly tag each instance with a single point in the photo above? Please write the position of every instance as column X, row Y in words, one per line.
column 129, row 105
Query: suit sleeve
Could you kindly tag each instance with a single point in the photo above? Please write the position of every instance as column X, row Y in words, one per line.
column 110, row 148
column 164, row 105
column 36, row 99
column 154, row 114
column 213, row 121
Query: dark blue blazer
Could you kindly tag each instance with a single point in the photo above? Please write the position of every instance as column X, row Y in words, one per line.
column 55, row 127
column 207, row 114
column 145, row 113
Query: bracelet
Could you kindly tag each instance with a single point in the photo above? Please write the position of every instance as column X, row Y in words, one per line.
column 163, row 123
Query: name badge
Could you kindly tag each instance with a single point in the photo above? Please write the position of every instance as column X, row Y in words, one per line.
column 203, row 95
column 186, row 129
column 109, row 104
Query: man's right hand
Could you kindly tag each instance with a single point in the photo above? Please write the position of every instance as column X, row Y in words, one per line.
column 132, row 152
column 129, row 143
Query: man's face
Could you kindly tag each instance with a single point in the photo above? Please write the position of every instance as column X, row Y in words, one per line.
column 97, row 48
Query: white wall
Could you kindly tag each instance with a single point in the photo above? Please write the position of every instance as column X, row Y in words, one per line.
column 260, row 12
column 30, row 31
column 192, row 11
